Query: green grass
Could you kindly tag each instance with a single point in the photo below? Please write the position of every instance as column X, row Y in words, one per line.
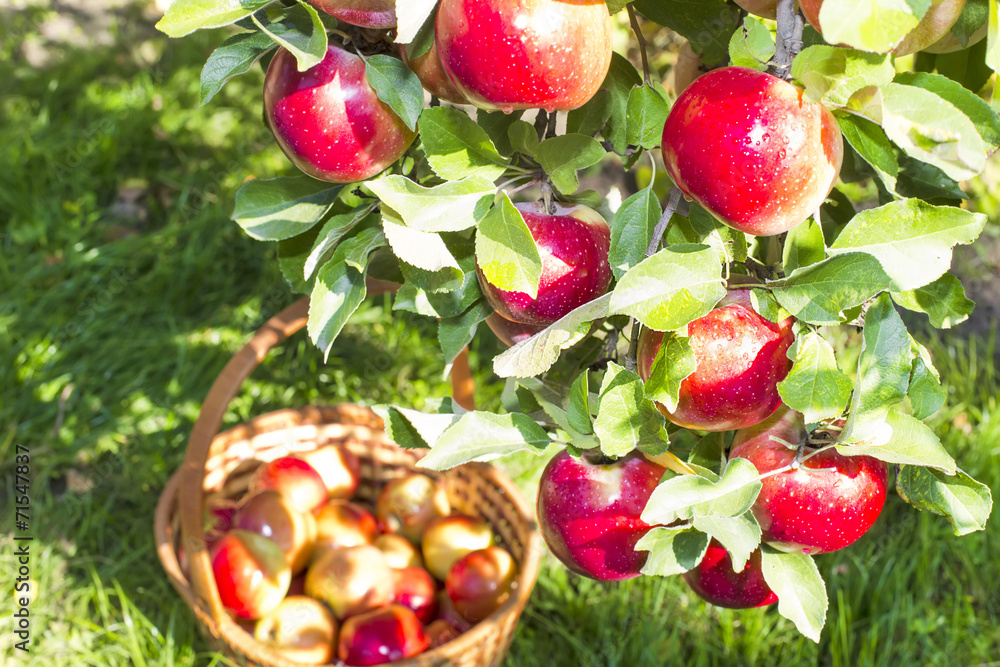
column 113, row 326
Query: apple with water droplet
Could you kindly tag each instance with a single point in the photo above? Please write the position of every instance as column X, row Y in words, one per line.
column 715, row 581
column 825, row 503
column 363, row 13
column 589, row 512
column 510, row 54
column 751, row 151
column 741, row 359
column 573, row 243
column 432, row 75
column 329, row 121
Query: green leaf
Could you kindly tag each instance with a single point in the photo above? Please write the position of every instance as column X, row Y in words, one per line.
column 611, row 103
column 537, row 354
column 819, row 293
column 454, row 333
column 234, row 56
column 292, row 256
column 484, row 436
column 911, row 443
column 506, row 251
column 912, row 240
column 562, row 156
column 707, row 24
column 924, row 181
column 739, row 535
column 815, row 386
column 674, row 362
column 280, row 208
column 700, row 227
column 672, row 550
column 751, row 45
column 579, row 405
column 592, row 116
column 796, row 581
column 932, row 130
column 396, row 85
column 883, row 374
column 449, row 207
column 925, row 391
column 686, row 496
column 632, row 230
column 804, row 246
column 870, row 25
column 984, row 118
column 457, row 147
column 873, row 146
column 965, row 502
column 411, row 17
column 523, row 138
column 497, row 124
column 671, row 288
column 333, row 231
column 833, row 75
column 974, row 16
column 993, row 38
column 301, row 32
column 413, row 429
column 709, row 453
column 423, row 250
column 626, row 419
column 186, row 16
column 647, row 113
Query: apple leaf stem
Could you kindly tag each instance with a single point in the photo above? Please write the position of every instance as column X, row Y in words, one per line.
column 665, row 219
column 633, row 347
column 789, row 41
column 637, row 29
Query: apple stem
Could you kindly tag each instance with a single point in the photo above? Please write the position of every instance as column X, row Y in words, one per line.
column 665, row 219
column 637, row 29
column 633, row 347
column 547, row 196
column 789, row 41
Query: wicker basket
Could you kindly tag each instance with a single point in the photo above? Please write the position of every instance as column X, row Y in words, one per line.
column 221, row 465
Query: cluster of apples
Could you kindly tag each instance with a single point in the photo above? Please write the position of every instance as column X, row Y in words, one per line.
column 316, row 575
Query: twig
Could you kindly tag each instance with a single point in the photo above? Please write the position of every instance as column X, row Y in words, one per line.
column 637, row 29
column 661, row 226
column 789, row 42
column 633, row 347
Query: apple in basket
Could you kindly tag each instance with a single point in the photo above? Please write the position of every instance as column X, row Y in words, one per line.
column 406, row 505
column 294, row 478
column 251, row 573
column 301, row 629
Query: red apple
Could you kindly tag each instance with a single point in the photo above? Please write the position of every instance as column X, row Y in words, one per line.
column 381, row 636
column 294, row 478
column 745, row 146
column 741, row 359
column 767, row 9
column 588, row 512
column 341, row 523
column 339, row 468
column 825, row 504
column 573, row 244
column 950, row 44
column 414, row 589
column 399, row 552
column 480, row 582
column 250, row 572
column 509, row 332
column 441, row 632
column 449, row 538
column 300, row 629
column 406, row 505
column 269, row 513
column 940, row 17
column 715, row 581
column 433, row 77
column 352, row 580
column 329, row 121
column 218, row 517
column 511, row 54
column 363, row 13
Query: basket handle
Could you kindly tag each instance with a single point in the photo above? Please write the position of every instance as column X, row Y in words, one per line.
column 223, row 391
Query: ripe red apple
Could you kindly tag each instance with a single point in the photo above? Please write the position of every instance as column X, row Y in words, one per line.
column 433, row 77
column 940, row 17
column 480, row 582
column 250, row 572
column 573, row 244
column 510, row 54
column 825, row 504
column 294, row 478
column 341, row 523
column 269, row 513
column 339, row 468
column 509, row 332
column 352, row 580
column 381, row 636
column 414, row 589
column 406, row 505
column 588, row 512
column 745, row 146
column 440, row 632
column 329, row 121
column 363, row 13
column 300, row 629
column 449, row 538
column 714, row 580
column 741, row 359
column 399, row 552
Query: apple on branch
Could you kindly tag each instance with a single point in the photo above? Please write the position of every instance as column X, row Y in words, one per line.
column 573, row 243
column 716, row 582
column 362, row 13
column 822, row 503
column 741, row 359
column 745, row 146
